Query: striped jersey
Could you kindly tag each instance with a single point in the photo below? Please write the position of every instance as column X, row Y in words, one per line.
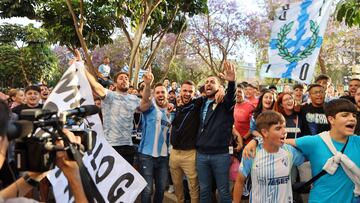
column 155, row 131
column 270, row 174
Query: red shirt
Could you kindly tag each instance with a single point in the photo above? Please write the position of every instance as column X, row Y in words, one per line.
column 253, row 101
column 242, row 116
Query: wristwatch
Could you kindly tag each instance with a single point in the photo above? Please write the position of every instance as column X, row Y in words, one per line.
column 31, row 181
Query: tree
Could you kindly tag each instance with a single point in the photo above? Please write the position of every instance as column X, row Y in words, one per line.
column 25, row 51
column 216, row 36
column 94, row 22
column 154, row 19
column 349, row 12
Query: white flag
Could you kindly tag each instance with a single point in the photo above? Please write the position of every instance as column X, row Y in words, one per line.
column 296, row 37
column 115, row 178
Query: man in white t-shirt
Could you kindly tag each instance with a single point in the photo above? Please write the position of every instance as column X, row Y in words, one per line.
column 104, row 72
column 270, row 169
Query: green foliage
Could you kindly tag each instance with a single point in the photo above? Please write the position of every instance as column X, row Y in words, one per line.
column 164, row 13
column 55, row 17
column 349, row 12
column 20, row 8
column 34, row 62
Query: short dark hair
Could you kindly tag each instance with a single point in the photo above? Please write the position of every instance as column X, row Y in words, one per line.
column 335, row 106
column 300, row 86
column 217, row 77
column 357, row 79
column 322, row 77
column 158, row 85
column 240, row 85
column 106, row 57
column 188, row 82
column 120, row 73
column 272, row 87
column 172, row 91
column 32, row 87
column 314, row 85
column 97, row 98
column 202, row 89
column 268, row 118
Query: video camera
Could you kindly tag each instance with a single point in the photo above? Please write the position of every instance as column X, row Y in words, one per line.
column 35, row 137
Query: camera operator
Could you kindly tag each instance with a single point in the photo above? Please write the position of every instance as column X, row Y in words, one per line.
column 24, row 184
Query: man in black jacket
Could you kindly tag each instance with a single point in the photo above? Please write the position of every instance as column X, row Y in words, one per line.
column 183, row 137
column 216, row 120
column 185, row 127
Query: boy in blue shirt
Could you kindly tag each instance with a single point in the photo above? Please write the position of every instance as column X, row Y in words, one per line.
column 270, row 168
column 343, row 184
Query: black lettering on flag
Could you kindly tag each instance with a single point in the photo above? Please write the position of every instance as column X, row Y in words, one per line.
column 112, row 196
column 67, row 190
column 110, row 160
column 66, row 79
column 283, row 14
column 93, row 164
column 304, row 71
column 268, row 68
column 320, row 10
column 58, row 173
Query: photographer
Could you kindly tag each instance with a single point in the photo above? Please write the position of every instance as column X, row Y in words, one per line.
column 24, row 184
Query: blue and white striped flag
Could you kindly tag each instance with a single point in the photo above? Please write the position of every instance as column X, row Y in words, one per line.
column 296, row 37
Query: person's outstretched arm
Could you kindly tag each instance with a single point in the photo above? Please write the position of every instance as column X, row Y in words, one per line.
column 238, row 187
column 145, row 102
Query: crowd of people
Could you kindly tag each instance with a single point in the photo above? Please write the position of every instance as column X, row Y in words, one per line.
column 226, row 142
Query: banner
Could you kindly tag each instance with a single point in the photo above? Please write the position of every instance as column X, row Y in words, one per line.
column 295, row 41
column 115, row 178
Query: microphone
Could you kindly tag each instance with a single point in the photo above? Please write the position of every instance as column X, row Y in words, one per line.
column 82, row 111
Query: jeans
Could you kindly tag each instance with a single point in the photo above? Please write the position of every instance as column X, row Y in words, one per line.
column 213, row 166
column 156, row 169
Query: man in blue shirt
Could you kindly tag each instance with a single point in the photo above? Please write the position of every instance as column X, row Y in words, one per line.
column 118, row 108
column 153, row 148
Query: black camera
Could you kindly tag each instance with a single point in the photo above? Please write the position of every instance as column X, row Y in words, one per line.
column 35, row 138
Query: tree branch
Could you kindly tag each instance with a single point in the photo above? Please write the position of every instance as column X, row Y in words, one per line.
column 81, row 39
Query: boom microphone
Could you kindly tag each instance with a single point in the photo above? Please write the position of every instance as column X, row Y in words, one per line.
column 82, row 111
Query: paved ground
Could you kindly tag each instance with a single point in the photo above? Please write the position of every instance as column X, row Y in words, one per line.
column 168, row 198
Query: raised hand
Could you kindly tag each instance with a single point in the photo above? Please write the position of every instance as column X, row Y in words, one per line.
column 148, row 78
column 229, row 73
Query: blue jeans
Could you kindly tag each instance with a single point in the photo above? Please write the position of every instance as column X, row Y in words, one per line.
column 156, row 169
column 213, row 166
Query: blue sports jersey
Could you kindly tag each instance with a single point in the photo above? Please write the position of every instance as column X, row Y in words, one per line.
column 155, row 131
column 270, row 174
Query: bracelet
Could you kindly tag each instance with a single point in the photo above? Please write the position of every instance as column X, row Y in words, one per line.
column 30, row 180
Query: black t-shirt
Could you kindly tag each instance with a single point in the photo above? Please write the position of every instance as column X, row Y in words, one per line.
column 21, row 107
column 186, row 124
column 357, row 128
column 293, row 126
column 313, row 120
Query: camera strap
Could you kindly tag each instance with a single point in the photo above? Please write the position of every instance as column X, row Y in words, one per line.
column 92, row 193
column 322, row 172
